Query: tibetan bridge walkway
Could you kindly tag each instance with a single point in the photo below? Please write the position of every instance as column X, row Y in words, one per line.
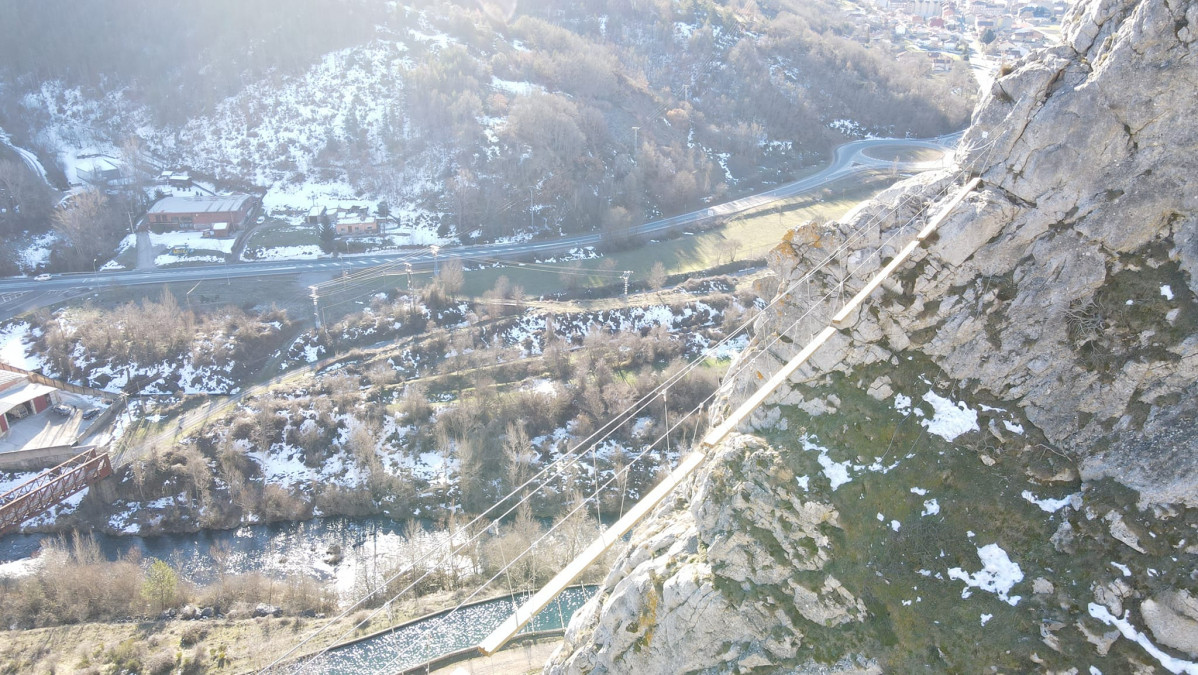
column 51, row 487
column 508, row 629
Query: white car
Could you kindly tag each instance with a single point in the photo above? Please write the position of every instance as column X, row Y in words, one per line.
column 42, row 277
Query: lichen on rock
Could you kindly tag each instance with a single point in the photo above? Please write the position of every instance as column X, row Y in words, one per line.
column 1041, row 301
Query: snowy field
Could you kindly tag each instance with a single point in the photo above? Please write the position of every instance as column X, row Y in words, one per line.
column 36, row 253
column 195, row 240
column 14, row 341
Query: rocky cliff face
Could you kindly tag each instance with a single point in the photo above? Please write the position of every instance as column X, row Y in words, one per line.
column 996, row 465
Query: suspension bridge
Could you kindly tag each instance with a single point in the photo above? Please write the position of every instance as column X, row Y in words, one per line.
column 60, row 482
column 928, row 217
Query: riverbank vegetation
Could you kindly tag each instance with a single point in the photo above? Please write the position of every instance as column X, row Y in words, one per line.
column 453, row 418
column 463, row 401
column 134, row 615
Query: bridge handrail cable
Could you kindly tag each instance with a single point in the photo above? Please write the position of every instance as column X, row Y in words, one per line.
column 575, row 454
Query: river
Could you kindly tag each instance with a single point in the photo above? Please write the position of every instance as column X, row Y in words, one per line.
column 277, row 549
column 422, row 641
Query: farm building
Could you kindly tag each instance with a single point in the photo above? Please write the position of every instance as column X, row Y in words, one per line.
column 201, row 213
column 20, row 398
column 98, row 170
column 361, row 227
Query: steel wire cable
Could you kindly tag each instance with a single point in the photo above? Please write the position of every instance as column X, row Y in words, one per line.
column 572, row 455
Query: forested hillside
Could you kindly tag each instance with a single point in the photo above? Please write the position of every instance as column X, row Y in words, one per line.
column 469, row 116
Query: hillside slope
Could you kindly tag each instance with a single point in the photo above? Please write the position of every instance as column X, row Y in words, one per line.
column 996, row 468
column 452, row 113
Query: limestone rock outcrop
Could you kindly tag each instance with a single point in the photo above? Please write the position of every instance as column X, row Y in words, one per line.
column 667, row 605
column 1064, row 287
column 1066, row 282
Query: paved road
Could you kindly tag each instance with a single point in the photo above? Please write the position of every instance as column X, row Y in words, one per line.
column 849, row 159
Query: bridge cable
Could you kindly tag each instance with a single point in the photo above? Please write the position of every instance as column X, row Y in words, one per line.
column 565, row 457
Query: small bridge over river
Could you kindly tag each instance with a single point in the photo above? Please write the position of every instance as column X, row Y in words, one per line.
column 51, row 487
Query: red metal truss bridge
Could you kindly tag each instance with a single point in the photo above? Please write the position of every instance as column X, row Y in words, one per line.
column 51, row 487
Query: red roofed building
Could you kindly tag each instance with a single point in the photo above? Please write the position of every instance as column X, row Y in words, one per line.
column 200, row 213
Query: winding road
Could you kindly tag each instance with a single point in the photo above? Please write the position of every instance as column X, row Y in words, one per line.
column 20, row 294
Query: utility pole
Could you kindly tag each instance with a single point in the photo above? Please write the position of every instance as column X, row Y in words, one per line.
column 635, row 143
column 626, row 275
column 188, row 294
column 530, row 225
column 315, row 307
column 408, row 268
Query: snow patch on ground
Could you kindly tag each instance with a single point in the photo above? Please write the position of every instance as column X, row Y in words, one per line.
column 300, row 252
column 837, row 473
column 1051, row 505
column 950, row 419
column 14, row 346
column 848, row 127
column 23, row 567
column 516, row 88
column 37, row 253
column 998, row 575
column 194, row 240
column 171, row 259
column 1012, row 427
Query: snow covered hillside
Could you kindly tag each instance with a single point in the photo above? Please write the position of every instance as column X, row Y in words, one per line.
column 469, row 123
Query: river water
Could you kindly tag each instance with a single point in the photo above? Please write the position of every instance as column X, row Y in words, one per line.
column 439, row 635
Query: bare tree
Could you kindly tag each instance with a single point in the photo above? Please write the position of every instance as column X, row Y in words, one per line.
column 86, row 224
column 451, row 277
column 657, row 276
column 520, row 459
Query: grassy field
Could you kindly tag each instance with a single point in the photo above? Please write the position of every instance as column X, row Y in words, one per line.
column 748, row 236
column 281, row 233
column 896, row 153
